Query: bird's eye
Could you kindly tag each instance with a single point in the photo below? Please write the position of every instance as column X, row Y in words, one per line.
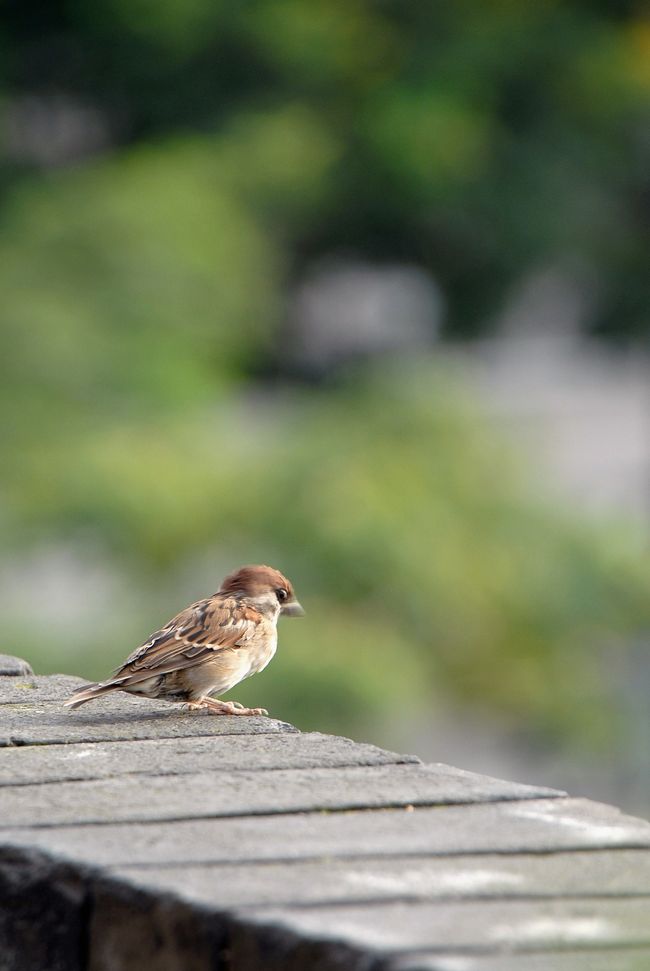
column 281, row 594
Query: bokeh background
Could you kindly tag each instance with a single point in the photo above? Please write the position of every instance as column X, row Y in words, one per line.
column 358, row 289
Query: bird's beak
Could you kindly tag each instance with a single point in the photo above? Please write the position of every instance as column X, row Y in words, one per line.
column 292, row 609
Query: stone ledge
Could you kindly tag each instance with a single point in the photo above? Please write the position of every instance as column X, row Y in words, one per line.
column 249, row 793
column 36, row 764
column 394, row 878
column 287, row 856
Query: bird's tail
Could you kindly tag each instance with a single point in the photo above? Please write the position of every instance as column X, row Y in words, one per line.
column 90, row 691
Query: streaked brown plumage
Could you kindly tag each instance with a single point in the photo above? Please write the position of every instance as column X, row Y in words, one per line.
column 209, row 647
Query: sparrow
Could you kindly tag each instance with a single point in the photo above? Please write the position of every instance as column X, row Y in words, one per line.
column 209, row 647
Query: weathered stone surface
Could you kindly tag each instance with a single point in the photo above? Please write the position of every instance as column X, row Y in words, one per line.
column 171, row 756
column 132, row 931
column 240, row 793
column 278, row 949
column 604, row 873
column 540, row 826
column 31, row 688
column 42, row 914
column 13, row 667
column 120, row 718
column 610, row 959
column 202, row 842
column 491, row 925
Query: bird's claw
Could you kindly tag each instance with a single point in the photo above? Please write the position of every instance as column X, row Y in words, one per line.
column 242, row 710
column 216, row 707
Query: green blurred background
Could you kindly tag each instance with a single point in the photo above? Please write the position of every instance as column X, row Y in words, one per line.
column 267, row 271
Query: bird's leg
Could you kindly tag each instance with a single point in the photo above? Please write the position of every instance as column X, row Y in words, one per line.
column 216, row 707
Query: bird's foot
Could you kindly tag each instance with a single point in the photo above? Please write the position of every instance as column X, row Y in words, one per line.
column 216, row 707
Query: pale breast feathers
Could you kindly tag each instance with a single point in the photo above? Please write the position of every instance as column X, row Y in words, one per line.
column 193, row 635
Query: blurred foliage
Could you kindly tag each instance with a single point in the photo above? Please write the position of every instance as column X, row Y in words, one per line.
column 472, row 138
column 142, row 314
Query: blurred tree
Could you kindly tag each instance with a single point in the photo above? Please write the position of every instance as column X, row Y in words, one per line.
column 474, row 139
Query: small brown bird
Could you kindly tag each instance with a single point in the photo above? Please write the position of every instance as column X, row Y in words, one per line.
column 209, row 647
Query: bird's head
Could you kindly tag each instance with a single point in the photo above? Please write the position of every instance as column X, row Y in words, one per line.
column 265, row 587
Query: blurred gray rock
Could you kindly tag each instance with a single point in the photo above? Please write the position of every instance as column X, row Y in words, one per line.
column 14, row 667
column 50, row 130
column 344, row 311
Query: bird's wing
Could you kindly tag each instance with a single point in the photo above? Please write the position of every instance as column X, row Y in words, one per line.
column 197, row 632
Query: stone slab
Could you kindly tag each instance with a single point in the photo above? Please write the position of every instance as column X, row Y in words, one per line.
column 42, row 904
column 331, row 881
column 169, row 756
column 540, row 826
column 522, row 925
column 609, row 959
column 239, row 793
column 178, row 837
column 131, row 931
column 120, row 718
column 276, row 948
column 13, row 667
column 31, row 688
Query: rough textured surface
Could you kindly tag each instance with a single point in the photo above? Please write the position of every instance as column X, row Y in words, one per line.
column 169, row 756
column 275, row 948
column 242, row 793
column 359, row 880
column 132, row 931
column 42, row 906
column 538, row 826
column 30, row 688
column 134, row 834
column 518, row 924
column 119, row 719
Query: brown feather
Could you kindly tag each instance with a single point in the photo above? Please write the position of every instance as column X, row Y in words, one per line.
column 250, row 578
column 215, row 641
column 197, row 632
